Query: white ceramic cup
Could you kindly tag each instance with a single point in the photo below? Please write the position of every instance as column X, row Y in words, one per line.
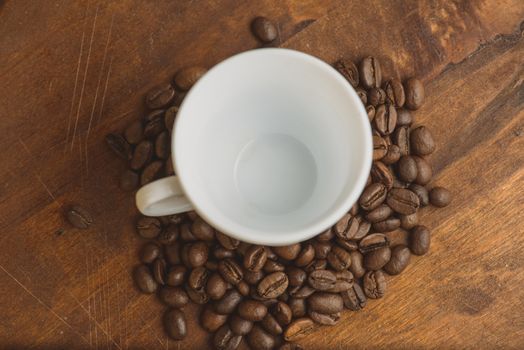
column 271, row 146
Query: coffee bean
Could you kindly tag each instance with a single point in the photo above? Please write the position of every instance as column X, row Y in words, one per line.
column 198, row 254
column 344, row 281
column 419, row 240
column 298, row 329
column 270, row 254
column 273, row 285
column 439, row 197
column 373, row 242
column 173, row 296
column 354, row 298
column 424, row 172
column 229, row 302
column 407, row 169
column 381, row 173
column 388, row 225
column 79, row 217
column 290, row 346
column 376, row 96
column 151, row 172
column 322, row 249
column 422, row 194
column 162, row 145
column 282, row 313
column 134, row 133
column 400, row 257
column 255, row 258
column 210, row 320
column 414, row 93
column 385, row 119
column 211, row 265
column 160, row 270
column 119, row 146
column 363, row 229
column 198, row 296
column 288, row 252
column 407, row 222
column 149, row 252
column 327, row 320
column 128, row 180
column 401, row 138
column 322, row 279
column 160, row 96
column 202, row 230
column 339, row 259
column 306, row 255
column 404, row 117
column 252, row 310
column 148, row 227
column 374, row 284
column 273, row 266
column 381, row 213
column 380, row 148
column 403, row 201
column 168, row 167
column 298, row 307
column 187, row 77
column 144, row 279
column 362, row 95
column 198, row 278
column 325, row 236
column 348, row 69
column 225, row 339
column 253, row 277
column 370, row 72
column 185, row 233
column 395, row 92
column 264, row 29
column 305, row 291
column 357, row 264
column 172, row 253
column 239, row 325
column 259, row 339
column 325, row 303
column 422, row 142
column 169, row 117
column 222, row 253
column 370, row 110
column 216, row 287
column 346, row 227
column 296, row 276
column 376, row 259
column 226, row 241
column 176, row 275
column 270, row 324
column 399, row 184
column 154, row 127
column 169, row 235
column 373, row 196
column 175, row 324
column 142, row 155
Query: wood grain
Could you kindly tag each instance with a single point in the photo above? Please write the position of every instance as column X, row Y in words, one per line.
column 73, row 71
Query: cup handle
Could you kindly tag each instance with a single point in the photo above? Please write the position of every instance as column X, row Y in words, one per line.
column 162, row 197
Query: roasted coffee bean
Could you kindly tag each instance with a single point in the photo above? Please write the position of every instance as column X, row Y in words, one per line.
column 422, row 194
column 226, row 241
column 173, row 296
column 401, row 138
column 168, row 167
column 322, row 279
column 79, row 217
column 153, row 115
column 282, row 313
column 185, row 233
column 128, row 180
column 363, row 229
column 414, row 93
column 385, row 119
column 259, row 339
column 176, row 275
column 198, row 254
column 210, row 320
column 202, row 230
column 380, row 148
column 273, row 266
column 439, row 197
column 172, row 253
column 373, row 196
column 357, row 264
column 407, row 169
column 144, row 279
column 370, row 72
column 225, row 339
column 119, row 146
column 419, row 240
column 388, row 225
column 169, row 117
column 149, row 252
column 395, row 92
column 370, row 110
column 323, row 319
column 216, row 287
column 347, row 245
column 422, row 142
column 400, row 257
column 373, row 242
column 339, row 259
column 229, row 302
column 347, row 227
column 304, row 291
column 403, row 201
column 174, row 219
column 211, row 265
column 148, row 227
column 362, row 95
column 255, row 258
column 198, row 278
column 151, row 172
column 348, row 69
column 184, row 256
column 378, row 214
column 381, row 173
column 273, row 285
column 407, row 222
column 222, row 253
column 288, row 252
column 264, row 29
column 239, row 325
column 306, row 255
column 354, row 298
column 290, row 346
column 187, row 77
column 175, row 324
column 198, row 296
column 325, row 236
column 374, row 284
column 270, row 254
column 376, row 96
column 424, row 172
column 318, row 264
column 322, row 249
column 252, row 310
column 296, row 276
column 142, row 155
column 160, row 96
column 376, row 259
column 325, row 303
column 134, row 133
column 298, row 307
column 162, row 145
column 344, row 281
column 160, row 270
column 154, row 127
column 253, row 277
column 298, row 329
column 169, row 235
column 270, row 324
column 404, row 117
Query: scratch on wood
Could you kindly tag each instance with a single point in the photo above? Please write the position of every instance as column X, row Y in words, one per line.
column 89, row 300
column 85, row 76
column 105, row 91
column 94, row 307
column 43, row 304
column 119, row 324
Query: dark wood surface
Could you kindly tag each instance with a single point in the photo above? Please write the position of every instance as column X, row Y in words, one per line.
column 72, row 71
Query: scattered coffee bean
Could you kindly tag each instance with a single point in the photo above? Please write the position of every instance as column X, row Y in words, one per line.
column 290, row 346
column 226, row 241
column 176, row 275
column 210, row 320
column 229, row 302
column 151, row 172
column 374, row 284
column 325, row 303
column 187, row 77
column 239, row 325
column 259, row 339
column 380, row 147
column 144, row 279
column 198, row 296
column 422, row 194
column 282, row 313
column 173, row 296
column 373, row 242
column 381, row 173
column 202, row 230
column 362, row 95
column 401, row 138
column 414, row 93
column 385, row 119
column 380, row 213
column 264, row 29
column 348, row 69
column 376, row 96
column 216, row 287
column 148, row 227
column 404, row 117
column 273, row 285
column 169, row 117
column 273, row 266
column 371, row 111
column 370, row 72
column 162, row 145
column 160, row 270
column 225, row 339
column 419, row 240
column 160, row 96
column 345, row 228
column 357, row 264
column 288, row 252
column 298, row 329
column 298, row 307
column 119, row 146
column 407, row 169
column 403, row 201
column 354, row 298
column 198, row 254
column 270, row 324
column 421, row 141
column 399, row 260
column 323, row 319
column 142, row 155
column 376, row 259
column 339, row 259
column 134, row 133
column 306, row 255
column 424, row 172
column 373, row 196
column 395, row 92
column 79, row 217
column 252, row 310
column 175, row 324
column 322, row 279
column 439, row 197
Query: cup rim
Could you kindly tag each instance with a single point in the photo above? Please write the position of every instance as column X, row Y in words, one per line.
column 256, row 236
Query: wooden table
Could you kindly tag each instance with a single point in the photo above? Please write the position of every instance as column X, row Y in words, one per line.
column 72, row 71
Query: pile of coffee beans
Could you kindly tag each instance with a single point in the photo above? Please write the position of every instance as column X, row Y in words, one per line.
column 270, row 297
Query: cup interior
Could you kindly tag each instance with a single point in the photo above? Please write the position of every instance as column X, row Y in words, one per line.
column 272, row 146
